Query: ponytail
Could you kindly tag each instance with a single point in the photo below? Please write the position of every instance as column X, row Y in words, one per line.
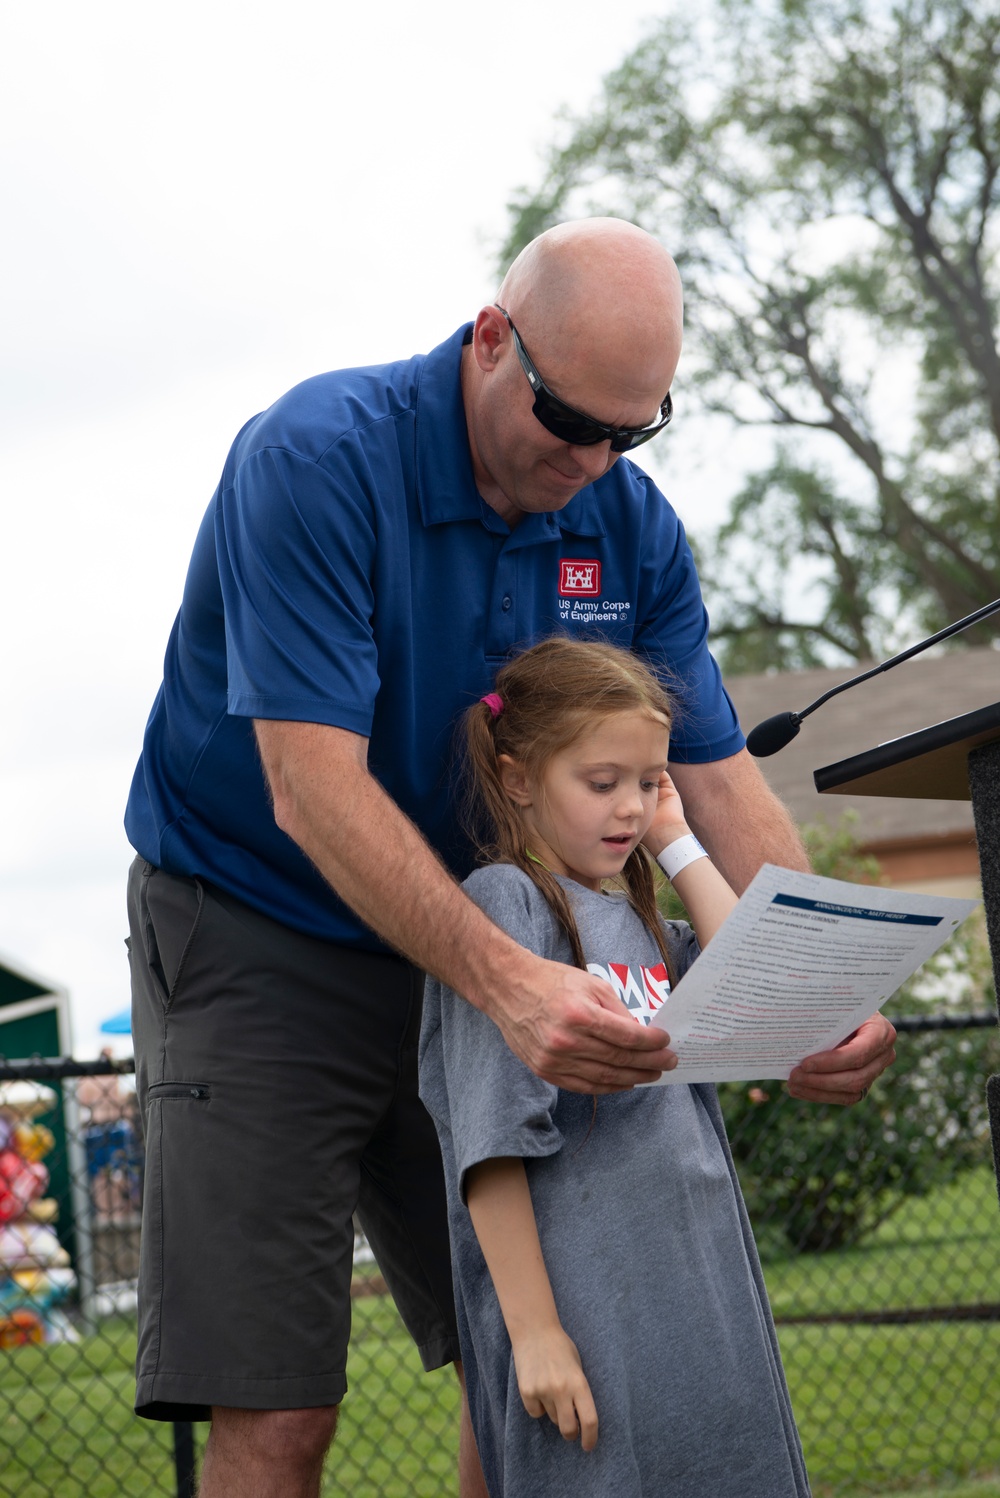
column 496, row 826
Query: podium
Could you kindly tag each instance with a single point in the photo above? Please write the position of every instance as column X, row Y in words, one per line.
column 958, row 760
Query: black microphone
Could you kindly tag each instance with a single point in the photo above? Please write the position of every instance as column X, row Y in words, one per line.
column 774, row 733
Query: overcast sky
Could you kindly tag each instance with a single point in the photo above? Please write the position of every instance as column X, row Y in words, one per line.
column 204, row 204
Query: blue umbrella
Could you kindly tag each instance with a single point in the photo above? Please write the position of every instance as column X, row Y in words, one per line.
column 118, row 1024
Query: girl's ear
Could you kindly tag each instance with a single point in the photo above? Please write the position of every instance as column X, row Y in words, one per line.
column 514, row 780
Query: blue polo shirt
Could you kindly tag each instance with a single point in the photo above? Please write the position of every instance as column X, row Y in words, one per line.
column 348, row 572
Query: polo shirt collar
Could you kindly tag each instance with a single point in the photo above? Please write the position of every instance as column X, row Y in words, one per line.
column 446, row 486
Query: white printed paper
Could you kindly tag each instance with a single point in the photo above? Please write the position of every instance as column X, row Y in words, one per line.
column 796, row 967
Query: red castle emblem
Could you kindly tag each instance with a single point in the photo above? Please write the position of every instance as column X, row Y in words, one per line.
column 582, row 578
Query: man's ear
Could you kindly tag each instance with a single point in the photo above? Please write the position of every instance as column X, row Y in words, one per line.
column 514, row 780
column 488, row 334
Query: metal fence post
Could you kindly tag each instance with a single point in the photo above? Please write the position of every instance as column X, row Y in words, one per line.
column 81, row 1206
column 184, row 1458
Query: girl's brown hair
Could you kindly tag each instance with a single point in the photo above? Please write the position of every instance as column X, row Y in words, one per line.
column 550, row 695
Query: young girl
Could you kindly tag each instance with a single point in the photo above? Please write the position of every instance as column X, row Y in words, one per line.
column 615, row 1327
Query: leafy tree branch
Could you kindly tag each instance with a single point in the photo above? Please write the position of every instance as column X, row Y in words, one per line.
column 826, row 173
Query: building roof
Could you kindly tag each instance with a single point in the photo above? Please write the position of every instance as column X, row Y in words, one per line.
column 17, row 985
column 913, row 695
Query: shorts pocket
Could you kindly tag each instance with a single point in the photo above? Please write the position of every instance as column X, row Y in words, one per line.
column 198, row 1092
column 170, row 913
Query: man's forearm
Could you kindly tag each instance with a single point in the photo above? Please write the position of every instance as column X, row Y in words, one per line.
column 738, row 818
column 375, row 858
column 738, row 849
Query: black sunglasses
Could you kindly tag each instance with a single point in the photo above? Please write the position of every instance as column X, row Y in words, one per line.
column 573, row 426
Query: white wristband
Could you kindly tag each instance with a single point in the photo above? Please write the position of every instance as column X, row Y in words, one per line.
column 678, row 854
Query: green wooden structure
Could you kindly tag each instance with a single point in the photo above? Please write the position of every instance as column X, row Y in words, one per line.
column 35, row 1022
column 34, row 1015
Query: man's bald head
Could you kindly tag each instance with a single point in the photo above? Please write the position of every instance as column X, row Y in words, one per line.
column 602, row 290
column 598, row 306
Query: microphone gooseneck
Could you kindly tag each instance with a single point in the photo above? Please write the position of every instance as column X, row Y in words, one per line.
column 774, row 733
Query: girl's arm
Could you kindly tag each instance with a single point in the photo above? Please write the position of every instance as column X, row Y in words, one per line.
column 707, row 897
column 549, row 1374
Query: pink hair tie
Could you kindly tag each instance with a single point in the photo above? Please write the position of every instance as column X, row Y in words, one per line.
column 494, row 702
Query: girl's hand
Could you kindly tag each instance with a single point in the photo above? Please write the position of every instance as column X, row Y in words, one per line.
column 668, row 822
column 551, row 1380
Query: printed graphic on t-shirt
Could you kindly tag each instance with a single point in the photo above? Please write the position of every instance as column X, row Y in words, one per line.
column 642, row 995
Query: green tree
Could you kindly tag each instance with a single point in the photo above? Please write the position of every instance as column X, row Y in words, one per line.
column 826, row 172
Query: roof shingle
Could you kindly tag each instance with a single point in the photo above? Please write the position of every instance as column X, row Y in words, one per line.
column 912, row 695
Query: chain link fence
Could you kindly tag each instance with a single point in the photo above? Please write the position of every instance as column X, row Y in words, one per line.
column 878, row 1227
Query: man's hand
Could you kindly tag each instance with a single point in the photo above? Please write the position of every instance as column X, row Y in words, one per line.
column 845, row 1074
column 572, row 1030
column 552, row 1382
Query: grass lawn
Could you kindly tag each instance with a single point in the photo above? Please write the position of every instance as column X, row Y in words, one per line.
column 894, row 1404
column 66, row 1424
column 983, row 1487
column 897, row 1404
column 904, row 1409
column 941, row 1249
column 398, row 1435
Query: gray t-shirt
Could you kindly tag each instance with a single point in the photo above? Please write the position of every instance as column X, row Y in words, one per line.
column 645, row 1237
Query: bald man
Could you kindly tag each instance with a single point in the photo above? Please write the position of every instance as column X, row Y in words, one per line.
column 380, row 541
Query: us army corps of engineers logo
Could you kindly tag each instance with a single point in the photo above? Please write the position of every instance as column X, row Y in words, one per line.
column 580, row 598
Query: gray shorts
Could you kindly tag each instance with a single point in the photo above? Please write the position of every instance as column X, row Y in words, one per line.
column 277, row 1077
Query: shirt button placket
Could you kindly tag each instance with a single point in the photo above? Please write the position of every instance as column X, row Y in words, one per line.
column 502, row 610
column 507, row 612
